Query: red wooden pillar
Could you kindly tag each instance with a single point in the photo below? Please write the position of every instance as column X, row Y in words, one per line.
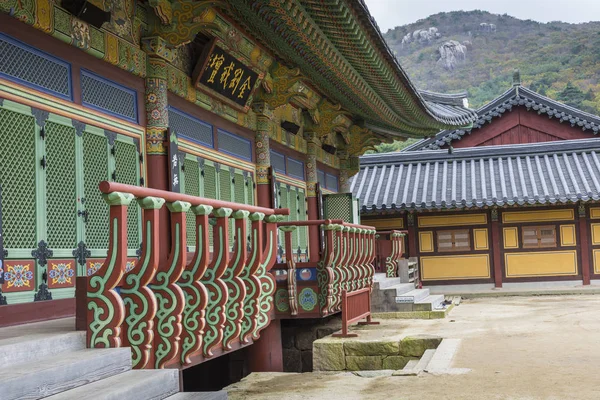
column 266, row 354
column 157, row 160
column 497, row 256
column 412, row 235
column 584, row 239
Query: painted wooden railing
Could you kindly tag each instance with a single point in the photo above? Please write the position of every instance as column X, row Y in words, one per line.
column 355, row 306
column 390, row 250
column 188, row 307
column 314, row 289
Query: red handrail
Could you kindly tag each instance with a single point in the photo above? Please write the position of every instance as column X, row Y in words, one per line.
column 170, row 197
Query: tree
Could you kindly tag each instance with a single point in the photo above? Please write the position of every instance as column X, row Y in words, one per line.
column 571, row 95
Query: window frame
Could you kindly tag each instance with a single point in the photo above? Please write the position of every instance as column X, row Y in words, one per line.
column 453, row 248
column 538, row 229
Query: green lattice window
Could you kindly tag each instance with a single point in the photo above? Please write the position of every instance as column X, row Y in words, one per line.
column 250, row 189
column 293, row 205
column 95, row 167
column 191, row 182
column 17, row 177
column 225, row 193
column 61, row 186
column 210, row 189
column 126, row 171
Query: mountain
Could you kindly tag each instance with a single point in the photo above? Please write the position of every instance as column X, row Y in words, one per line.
column 478, row 51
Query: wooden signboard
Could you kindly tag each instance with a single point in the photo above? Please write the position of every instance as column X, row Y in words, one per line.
column 221, row 73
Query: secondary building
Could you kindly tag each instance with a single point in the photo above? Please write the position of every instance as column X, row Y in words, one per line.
column 513, row 199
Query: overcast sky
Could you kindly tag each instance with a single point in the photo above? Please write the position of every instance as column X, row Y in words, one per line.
column 391, row 13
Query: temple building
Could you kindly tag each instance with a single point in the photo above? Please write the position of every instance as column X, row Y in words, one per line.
column 512, row 199
column 169, row 157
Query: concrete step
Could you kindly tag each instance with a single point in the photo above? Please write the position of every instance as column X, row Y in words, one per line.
column 30, row 348
column 386, row 283
column 132, row 385
column 430, row 303
column 414, row 296
column 442, row 359
column 410, row 365
column 220, row 395
column 60, row 372
column 402, row 288
column 424, row 361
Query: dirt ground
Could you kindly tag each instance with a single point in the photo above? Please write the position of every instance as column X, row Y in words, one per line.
column 517, row 348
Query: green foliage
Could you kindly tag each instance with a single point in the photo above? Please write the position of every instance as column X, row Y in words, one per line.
column 556, row 59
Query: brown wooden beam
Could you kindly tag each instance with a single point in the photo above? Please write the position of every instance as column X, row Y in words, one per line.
column 25, row 313
column 497, row 256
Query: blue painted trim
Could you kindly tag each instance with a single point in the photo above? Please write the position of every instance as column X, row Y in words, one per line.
column 45, row 55
column 198, row 121
column 219, row 131
column 90, row 74
column 284, row 171
column 292, row 160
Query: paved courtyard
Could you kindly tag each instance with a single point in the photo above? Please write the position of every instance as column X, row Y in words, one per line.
column 545, row 347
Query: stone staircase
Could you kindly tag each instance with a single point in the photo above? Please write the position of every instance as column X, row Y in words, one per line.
column 392, row 295
column 44, row 361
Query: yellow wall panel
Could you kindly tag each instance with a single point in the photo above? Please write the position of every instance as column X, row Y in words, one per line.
column 549, row 263
column 470, row 266
column 537, row 216
column 597, row 261
column 595, row 213
column 384, row 224
column 595, row 234
column 481, row 239
column 511, row 238
column 567, row 235
column 426, row 242
column 452, row 220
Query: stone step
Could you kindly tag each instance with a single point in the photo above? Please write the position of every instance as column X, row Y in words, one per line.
column 414, row 296
column 132, row 385
column 442, row 359
column 430, row 303
column 410, row 365
column 30, row 348
column 220, row 395
column 424, row 361
column 402, row 288
column 61, row 372
column 386, row 283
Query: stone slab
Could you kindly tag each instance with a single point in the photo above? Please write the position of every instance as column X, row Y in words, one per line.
column 371, row 348
column 396, row 362
column 364, row 363
column 442, row 359
column 328, row 355
column 415, row 346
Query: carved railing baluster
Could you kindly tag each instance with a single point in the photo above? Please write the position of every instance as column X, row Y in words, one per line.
column 371, row 265
column 140, row 302
column 291, row 269
column 105, row 310
column 235, row 285
column 196, row 295
column 391, row 263
column 267, row 281
column 324, row 270
column 338, row 269
column 169, row 296
column 251, row 280
column 217, row 290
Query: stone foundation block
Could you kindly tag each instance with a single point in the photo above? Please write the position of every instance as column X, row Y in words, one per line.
column 415, row 346
column 292, row 361
column 364, row 363
column 371, row 348
column 396, row 362
column 328, row 355
column 402, row 315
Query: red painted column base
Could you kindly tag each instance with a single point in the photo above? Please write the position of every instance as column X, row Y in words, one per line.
column 266, row 354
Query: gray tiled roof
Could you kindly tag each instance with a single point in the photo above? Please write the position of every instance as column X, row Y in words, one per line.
column 514, row 97
column 552, row 172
